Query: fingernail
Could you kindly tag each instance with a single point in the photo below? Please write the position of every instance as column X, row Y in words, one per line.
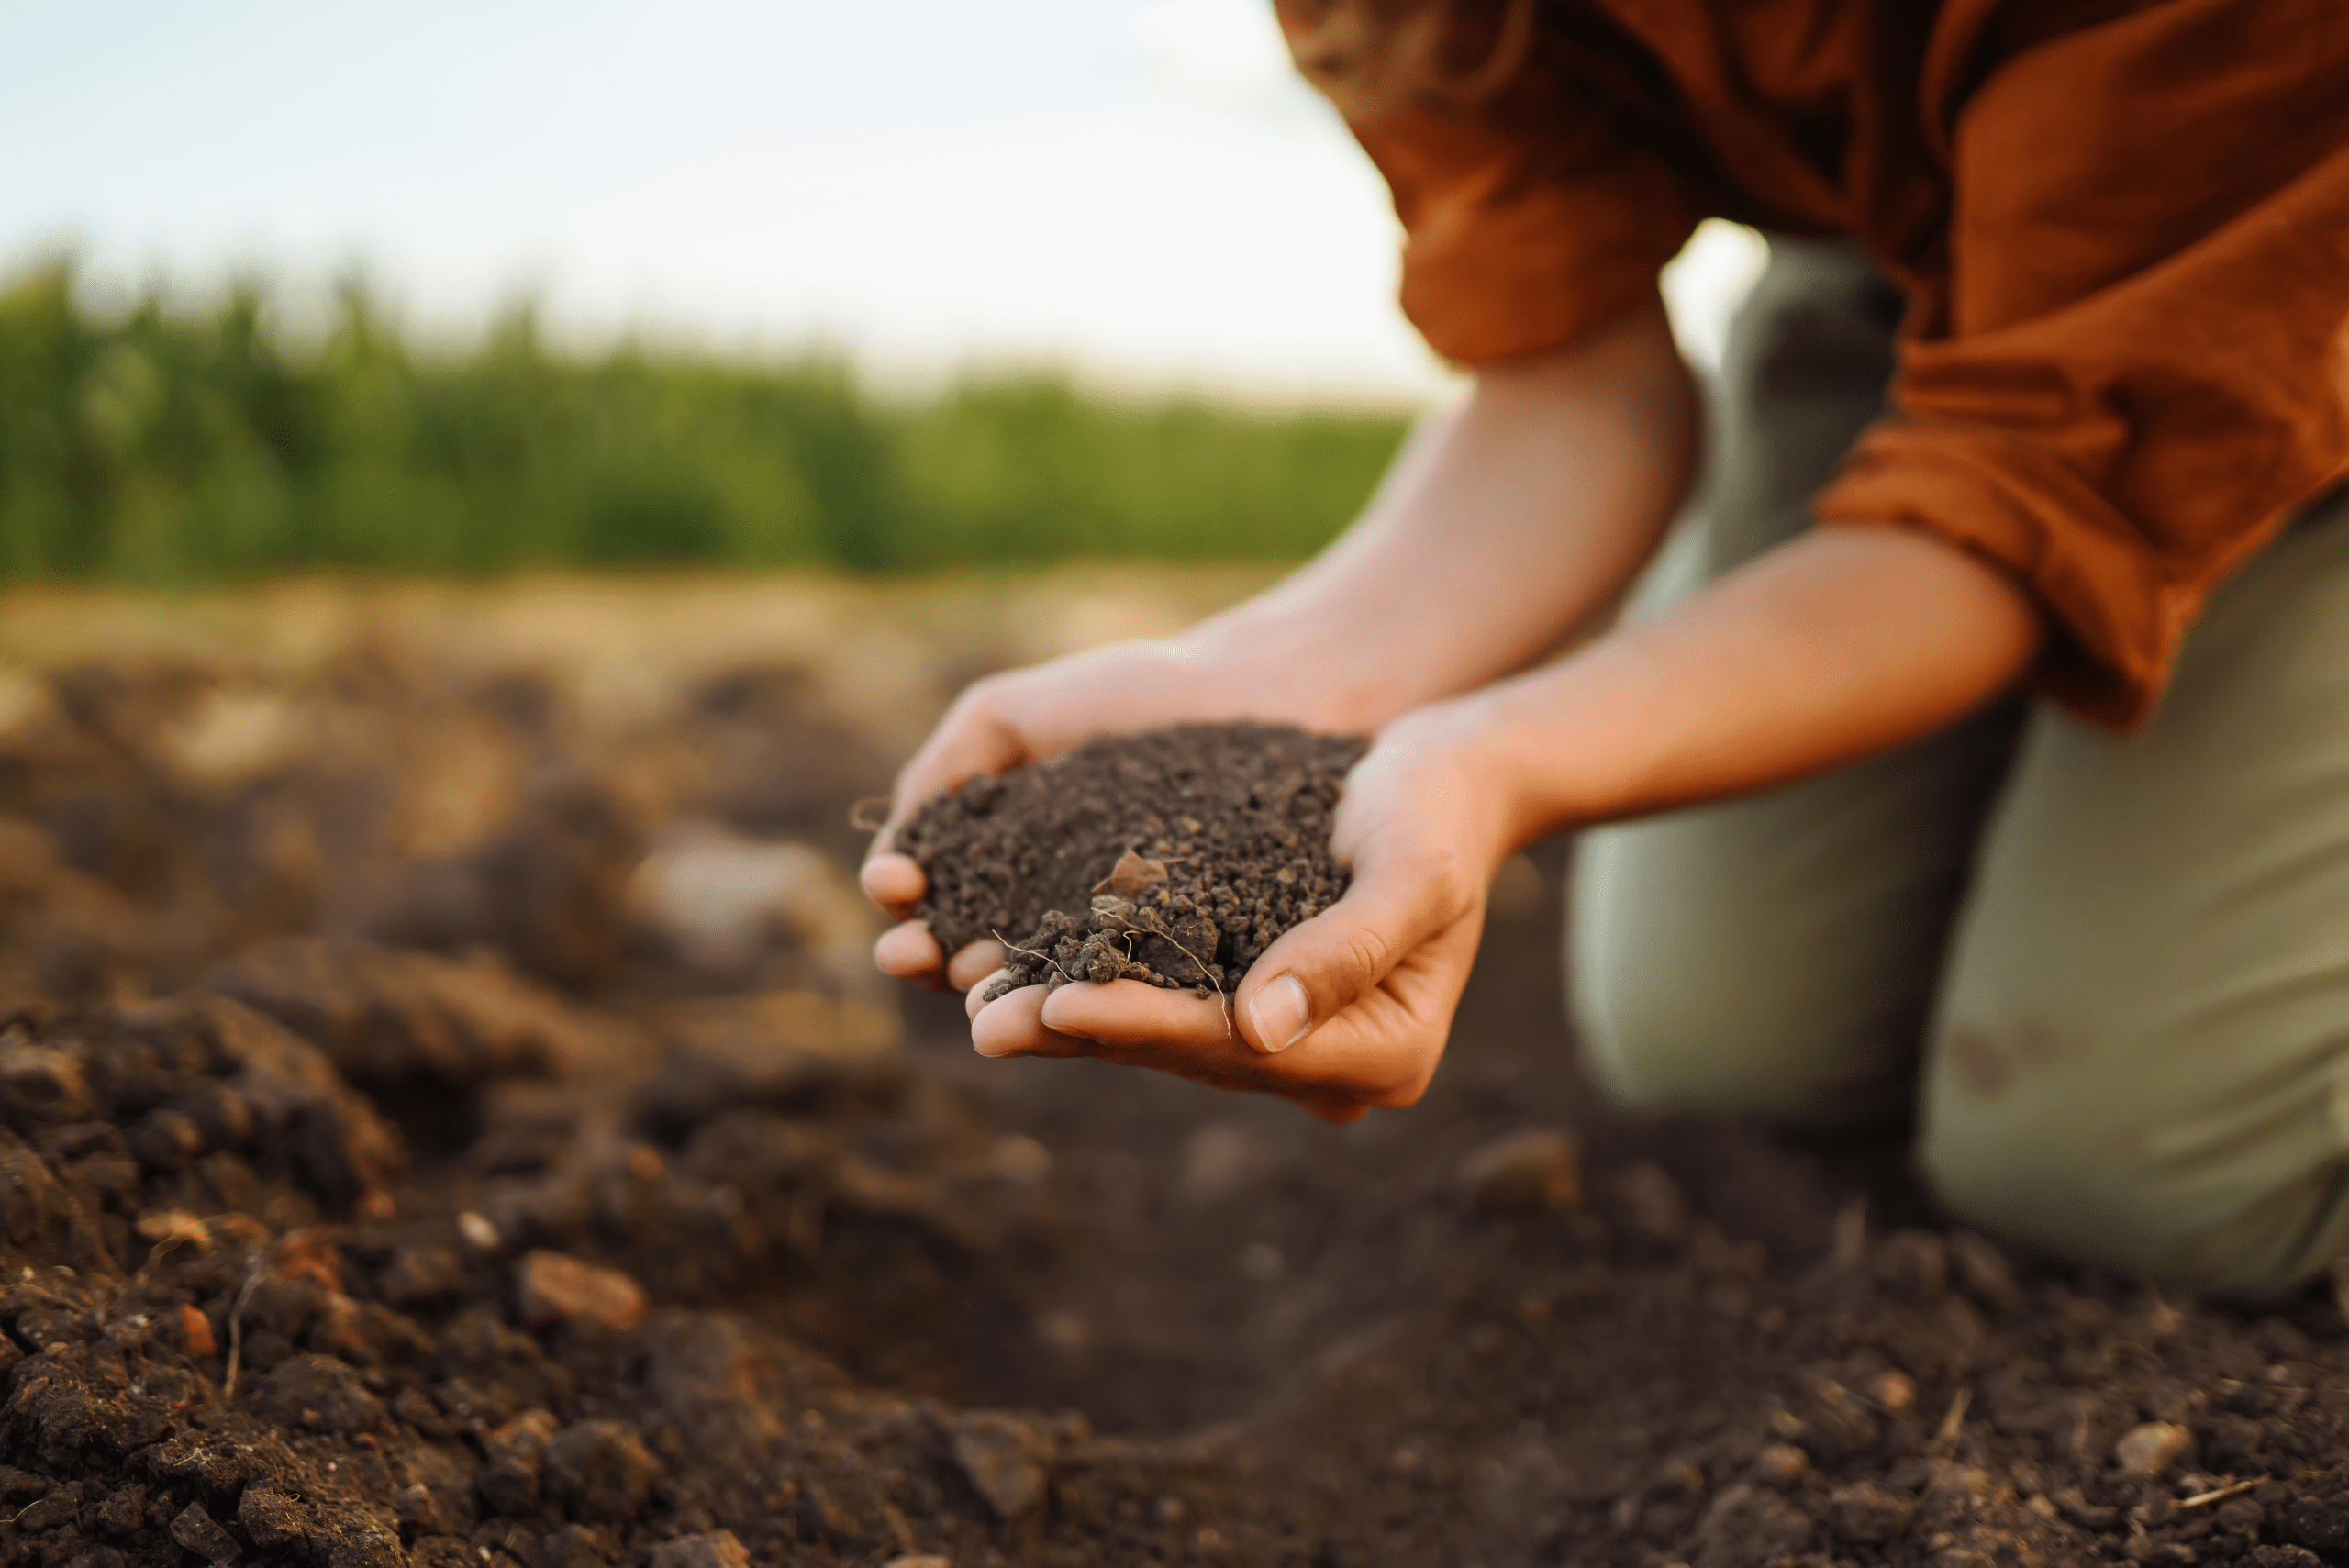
column 1281, row 1014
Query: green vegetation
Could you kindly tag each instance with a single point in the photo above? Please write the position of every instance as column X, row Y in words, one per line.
column 169, row 446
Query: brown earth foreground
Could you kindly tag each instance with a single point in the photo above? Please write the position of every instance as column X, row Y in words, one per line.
column 449, row 1119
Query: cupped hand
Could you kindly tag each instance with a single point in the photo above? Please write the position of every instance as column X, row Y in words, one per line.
column 1346, row 1011
column 1020, row 717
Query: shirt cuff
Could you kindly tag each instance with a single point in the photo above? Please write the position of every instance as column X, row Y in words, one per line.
column 2119, row 612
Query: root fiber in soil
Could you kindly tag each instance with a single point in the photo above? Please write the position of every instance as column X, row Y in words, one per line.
column 1172, row 856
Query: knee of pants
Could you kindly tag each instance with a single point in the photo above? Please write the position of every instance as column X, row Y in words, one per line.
column 1649, row 1049
column 1697, row 1032
column 2077, row 1177
column 1636, row 1066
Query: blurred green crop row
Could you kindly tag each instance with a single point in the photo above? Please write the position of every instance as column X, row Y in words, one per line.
column 167, row 446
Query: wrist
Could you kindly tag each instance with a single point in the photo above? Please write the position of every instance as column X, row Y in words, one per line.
column 1540, row 750
column 1469, row 741
column 1280, row 667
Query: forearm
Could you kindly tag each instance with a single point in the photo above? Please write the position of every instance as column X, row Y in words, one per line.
column 1501, row 527
column 1842, row 644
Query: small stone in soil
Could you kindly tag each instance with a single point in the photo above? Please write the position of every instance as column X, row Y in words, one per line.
column 419, row 1511
column 2153, row 1448
column 196, row 1339
column 1895, row 1391
column 1533, row 1171
column 1003, row 1456
column 201, row 1533
column 1654, row 1203
column 1020, row 1159
column 554, row 1287
column 719, row 1549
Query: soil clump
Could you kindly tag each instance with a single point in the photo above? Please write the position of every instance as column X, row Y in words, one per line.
column 1172, row 856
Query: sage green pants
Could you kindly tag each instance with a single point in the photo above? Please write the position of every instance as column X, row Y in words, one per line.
column 2115, row 969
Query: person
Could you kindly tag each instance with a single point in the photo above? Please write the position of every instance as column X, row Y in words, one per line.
column 1984, row 736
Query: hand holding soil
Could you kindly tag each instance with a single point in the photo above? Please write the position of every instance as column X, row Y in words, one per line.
column 1347, row 1007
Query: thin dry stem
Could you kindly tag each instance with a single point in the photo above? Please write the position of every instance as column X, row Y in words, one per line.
column 856, row 813
column 155, row 1255
column 2221, row 1493
column 1955, row 1422
column 1223, row 1002
column 237, row 1327
column 1031, row 952
column 1946, row 1437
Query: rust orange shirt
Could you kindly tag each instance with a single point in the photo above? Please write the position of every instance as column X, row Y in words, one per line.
column 2122, row 227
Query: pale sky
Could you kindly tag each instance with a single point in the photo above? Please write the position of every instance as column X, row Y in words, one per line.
column 1139, row 189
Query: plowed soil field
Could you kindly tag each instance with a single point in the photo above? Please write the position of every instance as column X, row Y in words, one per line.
column 446, row 1118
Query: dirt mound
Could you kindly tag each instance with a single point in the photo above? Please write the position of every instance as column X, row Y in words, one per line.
column 1172, row 857
column 237, row 1322
column 625, row 1226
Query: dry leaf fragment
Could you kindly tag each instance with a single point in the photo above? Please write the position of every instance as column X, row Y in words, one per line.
column 1132, row 876
column 175, row 1226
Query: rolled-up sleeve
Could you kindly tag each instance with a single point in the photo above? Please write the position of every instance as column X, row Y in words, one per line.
column 2139, row 369
column 1515, row 244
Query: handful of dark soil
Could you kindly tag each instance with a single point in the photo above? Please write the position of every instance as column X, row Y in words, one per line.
column 1174, row 856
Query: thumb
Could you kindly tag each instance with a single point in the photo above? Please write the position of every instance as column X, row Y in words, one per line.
column 973, row 739
column 981, row 749
column 1318, row 969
